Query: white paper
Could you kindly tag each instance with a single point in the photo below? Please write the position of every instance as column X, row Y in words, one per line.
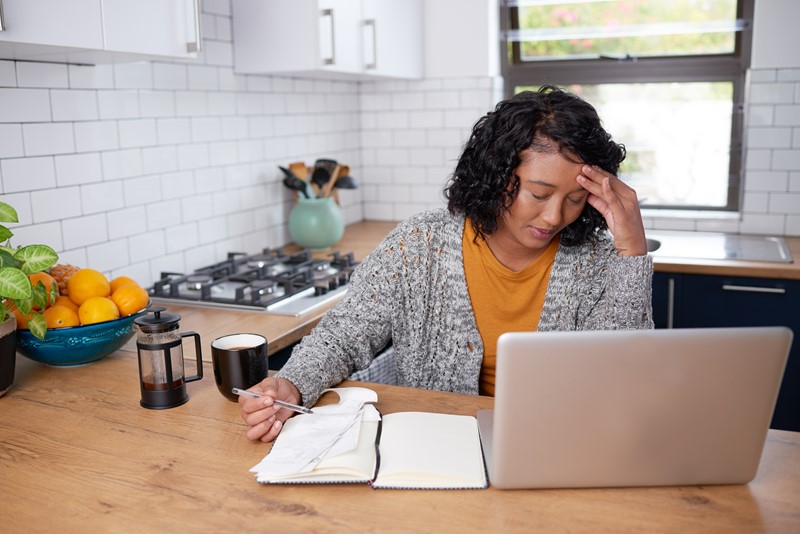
column 329, row 431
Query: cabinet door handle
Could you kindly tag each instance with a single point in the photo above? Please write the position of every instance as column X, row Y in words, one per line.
column 671, row 303
column 331, row 57
column 370, row 29
column 754, row 289
column 195, row 46
column 2, row 20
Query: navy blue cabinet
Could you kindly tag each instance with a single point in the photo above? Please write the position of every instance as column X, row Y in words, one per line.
column 700, row 301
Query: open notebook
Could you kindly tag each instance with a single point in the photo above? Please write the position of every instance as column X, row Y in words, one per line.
column 632, row 408
column 404, row 450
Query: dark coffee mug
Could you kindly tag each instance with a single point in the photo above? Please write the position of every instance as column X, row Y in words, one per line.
column 240, row 361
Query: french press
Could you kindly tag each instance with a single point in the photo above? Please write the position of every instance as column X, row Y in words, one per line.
column 160, row 348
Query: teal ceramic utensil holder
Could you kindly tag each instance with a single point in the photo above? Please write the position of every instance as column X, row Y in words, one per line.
column 316, row 223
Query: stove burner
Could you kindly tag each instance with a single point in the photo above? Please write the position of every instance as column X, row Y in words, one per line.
column 273, row 281
column 194, row 282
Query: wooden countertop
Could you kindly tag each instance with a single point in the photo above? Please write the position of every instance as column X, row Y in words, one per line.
column 78, row 454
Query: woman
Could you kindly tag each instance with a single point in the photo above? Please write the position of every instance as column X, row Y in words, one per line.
column 523, row 245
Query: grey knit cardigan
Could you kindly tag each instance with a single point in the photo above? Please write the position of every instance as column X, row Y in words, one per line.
column 412, row 290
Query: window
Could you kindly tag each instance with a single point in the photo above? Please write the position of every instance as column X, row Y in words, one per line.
column 666, row 76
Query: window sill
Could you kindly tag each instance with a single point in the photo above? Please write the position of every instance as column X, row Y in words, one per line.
column 691, row 214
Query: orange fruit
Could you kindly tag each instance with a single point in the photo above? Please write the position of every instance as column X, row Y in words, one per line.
column 60, row 316
column 45, row 279
column 22, row 320
column 63, row 300
column 87, row 283
column 120, row 281
column 97, row 309
column 130, row 299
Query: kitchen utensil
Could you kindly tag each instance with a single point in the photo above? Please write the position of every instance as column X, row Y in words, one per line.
column 316, row 223
column 322, row 171
column 328, row 187
column 160, row 349
column 299, row 169
column 240, row 361
column 294, row 183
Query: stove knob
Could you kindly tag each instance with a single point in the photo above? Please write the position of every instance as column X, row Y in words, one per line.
column 333, row 283
column 320, row 288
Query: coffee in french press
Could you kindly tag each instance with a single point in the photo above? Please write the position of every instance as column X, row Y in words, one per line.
column 160, row 349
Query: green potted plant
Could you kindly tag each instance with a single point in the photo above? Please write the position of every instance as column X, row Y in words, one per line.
column 16, row 291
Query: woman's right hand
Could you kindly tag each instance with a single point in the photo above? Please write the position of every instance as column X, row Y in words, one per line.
column 264, row 419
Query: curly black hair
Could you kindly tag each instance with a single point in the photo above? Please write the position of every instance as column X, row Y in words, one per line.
column 484, row 185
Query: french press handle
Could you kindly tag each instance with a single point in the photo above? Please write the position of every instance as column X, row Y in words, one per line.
column 198, row 355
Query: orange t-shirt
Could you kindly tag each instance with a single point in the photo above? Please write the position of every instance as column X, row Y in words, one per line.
column 502, row 300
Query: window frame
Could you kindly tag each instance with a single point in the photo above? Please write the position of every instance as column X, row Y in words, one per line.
column 731, row 67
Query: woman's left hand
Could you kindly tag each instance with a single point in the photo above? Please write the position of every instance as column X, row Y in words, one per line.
column 617, row 202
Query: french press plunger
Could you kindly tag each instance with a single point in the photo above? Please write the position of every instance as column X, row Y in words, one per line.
column 160, row 348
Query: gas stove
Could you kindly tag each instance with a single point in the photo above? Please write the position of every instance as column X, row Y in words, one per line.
column 271, row 281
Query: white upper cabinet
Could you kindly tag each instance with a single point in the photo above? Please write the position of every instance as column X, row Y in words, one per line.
column 329, row 38
column 156, row 27
column 98, row 31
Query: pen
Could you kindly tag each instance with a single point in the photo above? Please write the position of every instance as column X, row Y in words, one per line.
column 282, row 404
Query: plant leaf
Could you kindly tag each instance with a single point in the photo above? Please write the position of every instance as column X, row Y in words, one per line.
column 35, row 258
column 37, row 325
column 14, row 284
column 53, row 293
column 7, row 259
column 39, row 297
column 7, row 213
column 25, row 306
column 5, row 233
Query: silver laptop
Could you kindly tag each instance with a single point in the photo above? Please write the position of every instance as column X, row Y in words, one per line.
column 632, row 408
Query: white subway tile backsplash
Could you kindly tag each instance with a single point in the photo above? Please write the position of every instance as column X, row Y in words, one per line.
column 761, row 115
column 27, row 174
column 789, row 75
column 170, row 76
column 786, row 159
column 408, row 101
column 274, row 103
column 787, row 115
column 784, row 203
column 48, row 233
column 181, row 237
column 758, row 159
column 206, row 129
column 769, row 137
column 794, row 181
column 249, row 104
column 91, row 76
column 8, row 74
column 118, row 104
column 148, row 246
column 224, row 29
column 75, row 169
column 143, row 190
column 48, row 138
column 163, row 214
column 221, row 104
column 756, row 203
column 102, row 197
column 177, row 185
column 196, row 207
column 203, row 78
column 426, row 119
column 134, row 75
column 762, row 224
column 159, row 159
column 772, row 93
column 56, row 204
column 443, row 100
column 191, row 104
column 11, row 141
column 763, row 75
column 121, row 164
column 35, row 74
column 73, row 105
column 173, row 131
column 107, row 256
column 223, row 153
column 193, row 156
column 234, row 128
column 126, row 222
column 24, row 105
column 212, row 229
column 156, row 104
column 137, row 133
column 94, row 136
column 218, row 53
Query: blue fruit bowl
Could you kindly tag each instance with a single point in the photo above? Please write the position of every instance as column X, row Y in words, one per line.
column 77, row 345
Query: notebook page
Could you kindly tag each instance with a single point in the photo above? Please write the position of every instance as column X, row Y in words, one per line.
column 429, row 450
